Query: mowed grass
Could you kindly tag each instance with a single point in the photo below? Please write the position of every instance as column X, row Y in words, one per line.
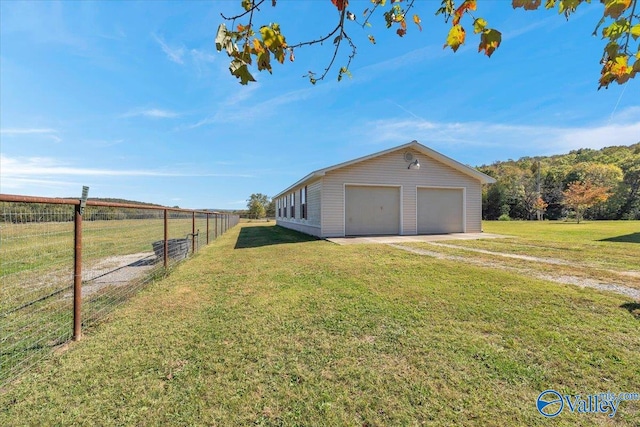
column 604, row 251
column 607, row 244
column 269, row 327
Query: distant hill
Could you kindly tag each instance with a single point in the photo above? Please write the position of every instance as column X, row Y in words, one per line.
column 520, row 182
column 124, row 201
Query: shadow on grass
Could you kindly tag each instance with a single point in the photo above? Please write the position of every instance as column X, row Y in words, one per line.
column 627, row 238
column 255, row 237
column 633, row 308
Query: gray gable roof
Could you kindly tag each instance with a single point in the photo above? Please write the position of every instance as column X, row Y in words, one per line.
column 483, row 178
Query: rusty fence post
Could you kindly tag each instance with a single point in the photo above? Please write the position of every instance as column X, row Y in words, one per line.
column 77, row 274
column 193, row 233
column 207, row 228
column 166, row 239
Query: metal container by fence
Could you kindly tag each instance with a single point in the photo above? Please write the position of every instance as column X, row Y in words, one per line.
column 177, row 248
column 63, row 268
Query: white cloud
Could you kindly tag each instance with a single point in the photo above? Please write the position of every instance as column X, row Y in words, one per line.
column 153, row 113
column 42, row 167
column 15, row 131
column 47, row 132
column 201, row 56
column 625, row 130
column 18, row 183
column 234, row 110
column 174, row 54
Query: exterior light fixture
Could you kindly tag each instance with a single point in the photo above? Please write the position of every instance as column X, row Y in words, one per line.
column 414, row 165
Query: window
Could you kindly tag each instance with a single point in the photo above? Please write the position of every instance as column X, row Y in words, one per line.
column 278, row 206
column 284, row 204
column 303, row 202
column 293, row 205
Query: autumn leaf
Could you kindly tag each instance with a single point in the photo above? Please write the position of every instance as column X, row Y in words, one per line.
column 257, row 47
column 526, row 4
column 464, row 7
column 455, row 38
column 223, row 40
column 291, row 56
column 340, row 4
column 372, row 39
column 264, row 61
column 401, row 32
column 616, row 30
column 635, row 31
column 479, row 25
column 417, row 21
column 616, row 69
column 489, row 41
column 271, row 39
column 614, row 8
column 241, row 71
column 274, row 41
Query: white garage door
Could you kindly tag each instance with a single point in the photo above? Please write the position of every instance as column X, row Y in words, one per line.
column 371, row 210
column 440, row 210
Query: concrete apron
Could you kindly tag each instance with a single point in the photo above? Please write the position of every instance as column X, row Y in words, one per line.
column 406, row 239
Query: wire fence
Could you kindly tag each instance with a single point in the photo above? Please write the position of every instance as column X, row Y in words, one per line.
column 63, row 268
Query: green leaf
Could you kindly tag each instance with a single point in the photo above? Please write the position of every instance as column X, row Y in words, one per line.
column 612, row 49
column 526, row 4
column 241, row 71
column 479, row 25
column 489, row 41
column 568, row 6
column 264, row 61
column 635, row 31
column 616, row 30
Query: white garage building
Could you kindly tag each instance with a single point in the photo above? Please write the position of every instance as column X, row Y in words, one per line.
column 406, row 190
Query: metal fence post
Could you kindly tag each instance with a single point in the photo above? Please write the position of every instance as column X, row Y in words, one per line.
column 166, row 236
column 77, row 274
column 215, row 228
column 193, row 233
column 207, row 228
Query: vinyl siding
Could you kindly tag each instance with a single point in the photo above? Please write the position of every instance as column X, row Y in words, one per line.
column 314, row 197
column 311, row 225
column 391, row 169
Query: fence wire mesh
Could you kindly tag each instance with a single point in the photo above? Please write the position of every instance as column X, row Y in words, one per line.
column 122, row 250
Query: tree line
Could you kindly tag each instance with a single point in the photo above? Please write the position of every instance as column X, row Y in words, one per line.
column 585, row 183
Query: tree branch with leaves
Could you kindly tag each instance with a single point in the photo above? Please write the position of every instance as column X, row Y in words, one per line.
column 250, row 48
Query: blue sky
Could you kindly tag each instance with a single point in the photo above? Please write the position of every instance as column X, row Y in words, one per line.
column 132, row 99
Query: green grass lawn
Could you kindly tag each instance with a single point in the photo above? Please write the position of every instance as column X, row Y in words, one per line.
column 609, row 244
column 270, row 327
column 606, row 251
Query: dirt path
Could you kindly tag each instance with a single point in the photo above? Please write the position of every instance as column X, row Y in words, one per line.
column 563, row 279
column 119, row 270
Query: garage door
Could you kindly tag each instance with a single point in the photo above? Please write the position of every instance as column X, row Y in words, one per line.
column 371, row 210
column 440, row 210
